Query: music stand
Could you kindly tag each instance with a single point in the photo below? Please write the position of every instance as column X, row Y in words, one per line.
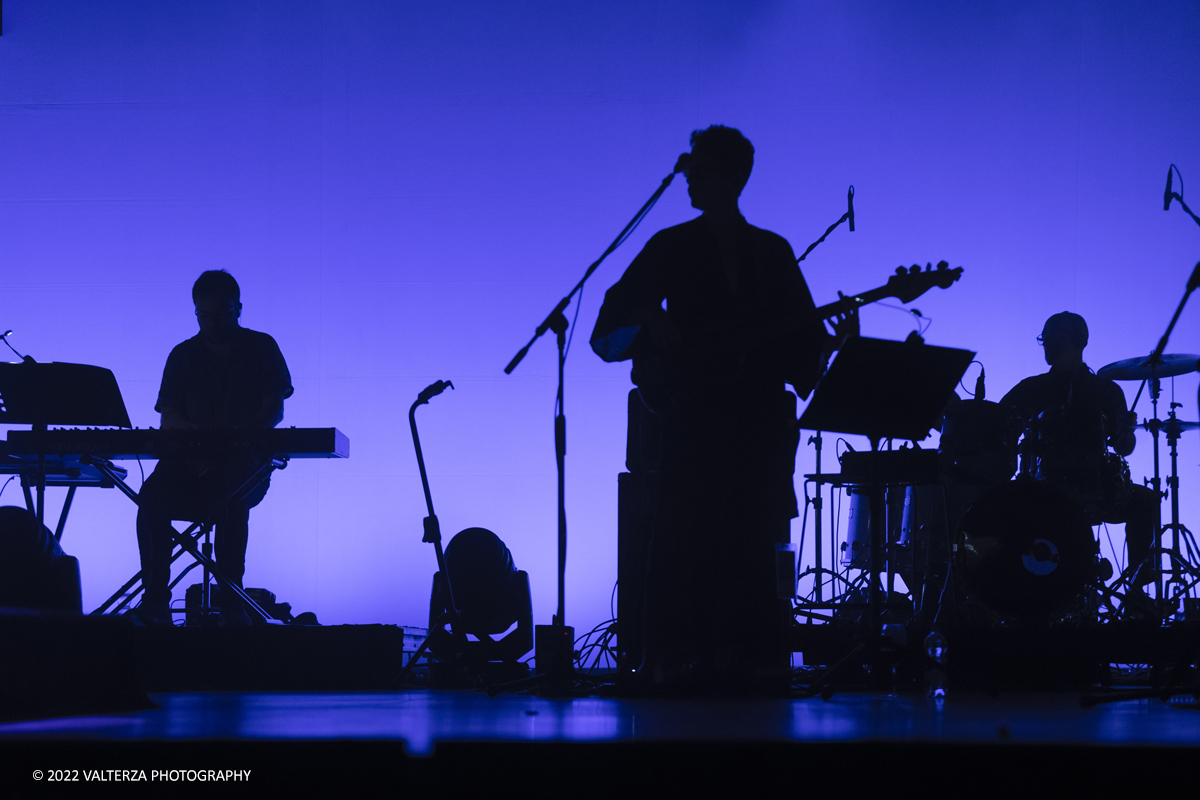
column 884, row 390
column 58, row 394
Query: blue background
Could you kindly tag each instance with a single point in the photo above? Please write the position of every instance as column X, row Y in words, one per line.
column 404, row 190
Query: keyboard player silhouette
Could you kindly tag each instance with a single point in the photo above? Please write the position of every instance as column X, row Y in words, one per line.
column 225, row 376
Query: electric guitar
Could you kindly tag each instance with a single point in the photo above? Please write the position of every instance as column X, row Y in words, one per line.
column 652, row 366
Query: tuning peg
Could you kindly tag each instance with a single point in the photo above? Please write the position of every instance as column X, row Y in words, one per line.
column 943, row 265
column 900, row 270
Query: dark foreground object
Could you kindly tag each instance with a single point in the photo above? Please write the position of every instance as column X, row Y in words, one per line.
column 1033, row 658
column 270, row 658
column 35, row 573
column 55, row 664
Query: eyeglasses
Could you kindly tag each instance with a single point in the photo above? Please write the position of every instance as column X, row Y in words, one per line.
column 207, row 314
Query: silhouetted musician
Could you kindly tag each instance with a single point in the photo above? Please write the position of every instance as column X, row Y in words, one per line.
column 225, row 377
column 739, row 323
column 1071, row 416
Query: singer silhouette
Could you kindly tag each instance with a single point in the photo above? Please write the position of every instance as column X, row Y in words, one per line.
column 738, row 325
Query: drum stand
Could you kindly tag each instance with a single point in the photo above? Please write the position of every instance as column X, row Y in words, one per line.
column 1179, row 566
column 1179, row 571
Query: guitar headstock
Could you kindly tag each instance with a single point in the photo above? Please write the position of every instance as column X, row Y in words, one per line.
column 909, row 284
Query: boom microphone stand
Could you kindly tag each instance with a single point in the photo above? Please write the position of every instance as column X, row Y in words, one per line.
column 558, row 639
column 1173, row 431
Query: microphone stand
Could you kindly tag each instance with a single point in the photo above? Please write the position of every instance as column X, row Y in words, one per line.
column 559, row 672
column 1192, row 284
column 432, row 535
column 1172, row 432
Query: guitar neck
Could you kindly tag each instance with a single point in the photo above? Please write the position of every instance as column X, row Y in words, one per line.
column 904, row 286
column 851, row 302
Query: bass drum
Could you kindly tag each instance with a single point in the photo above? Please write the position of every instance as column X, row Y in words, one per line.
column 1025, row 550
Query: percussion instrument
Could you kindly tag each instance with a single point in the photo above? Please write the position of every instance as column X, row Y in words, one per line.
column 1025, row 550
column 1140, row 369
column 1071, row 452
column 978, row 443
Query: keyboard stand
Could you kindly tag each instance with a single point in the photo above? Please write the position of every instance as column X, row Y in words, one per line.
column 187, row 539
column 57, row 394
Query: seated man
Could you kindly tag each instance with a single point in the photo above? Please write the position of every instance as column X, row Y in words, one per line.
column 224, row 377
column 1071, row 416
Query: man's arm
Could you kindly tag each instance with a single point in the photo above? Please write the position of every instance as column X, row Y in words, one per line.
column 1121, row 436
column 634, row 303
column 275, row 385
column 172, row 397
column 810, row 345
column 173, row 418
column 1020, row 400
column 270, row 413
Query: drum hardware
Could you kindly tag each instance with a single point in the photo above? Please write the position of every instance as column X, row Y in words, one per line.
column 1152, row 369
column 855, row 553
column 1157, row 366
column 1180, row 575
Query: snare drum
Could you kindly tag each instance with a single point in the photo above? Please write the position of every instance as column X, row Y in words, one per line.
column 1025, row 550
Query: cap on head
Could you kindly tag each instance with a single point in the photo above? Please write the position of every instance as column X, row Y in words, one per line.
column 216, row 284
column 727, row 148
column 1065, row 326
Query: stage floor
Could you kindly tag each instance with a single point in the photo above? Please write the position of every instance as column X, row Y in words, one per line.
column 422, row 719
column 284, row 734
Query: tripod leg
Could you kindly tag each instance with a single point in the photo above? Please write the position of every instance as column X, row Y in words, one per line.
column 412, row 661
column 189, row 544
column 66, row 509
column 447, row 618
column 132, row 582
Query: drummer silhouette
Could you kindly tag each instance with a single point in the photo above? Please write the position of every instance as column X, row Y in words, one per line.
column 1071, row 416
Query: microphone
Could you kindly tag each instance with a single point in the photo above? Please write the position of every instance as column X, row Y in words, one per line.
column 433, row 390
column 1167, row 193
column 850, row 204
column 4, row 338
column 683, row 163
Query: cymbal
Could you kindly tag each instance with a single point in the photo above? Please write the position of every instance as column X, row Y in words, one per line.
column 1166, row 424
column 1139, row 369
